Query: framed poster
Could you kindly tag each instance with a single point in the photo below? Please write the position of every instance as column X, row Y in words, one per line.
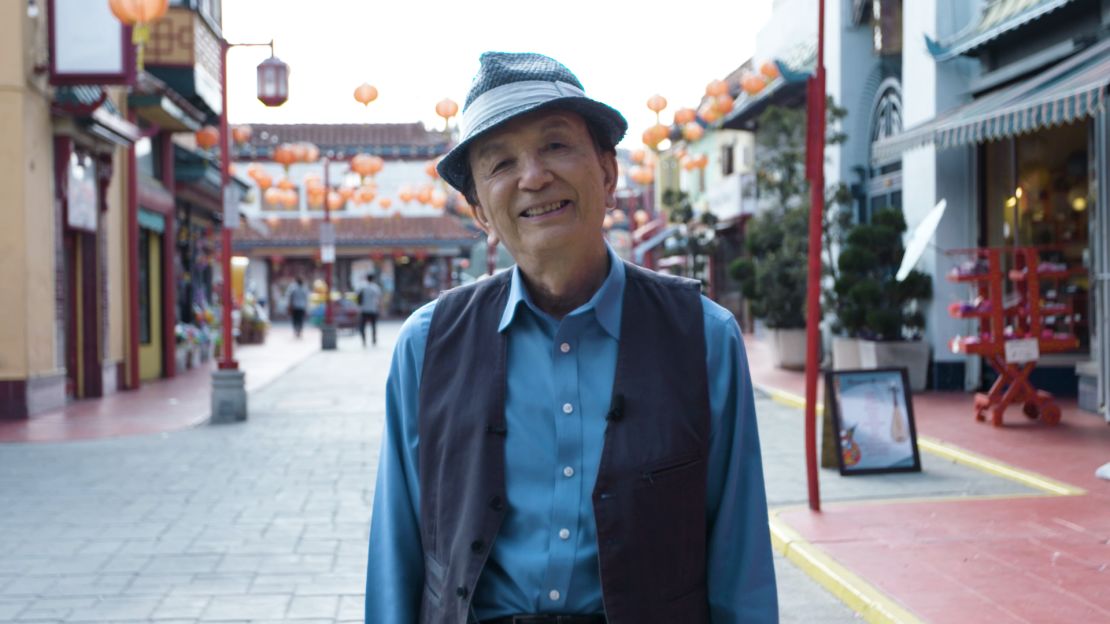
column 872, row 415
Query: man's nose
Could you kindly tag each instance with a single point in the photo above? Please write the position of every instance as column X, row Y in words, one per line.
column 534, row 173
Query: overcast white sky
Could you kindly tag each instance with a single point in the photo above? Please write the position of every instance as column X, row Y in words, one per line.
column 419, row 52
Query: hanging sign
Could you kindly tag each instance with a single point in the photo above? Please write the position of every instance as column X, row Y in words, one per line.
column 231, row 205
column 81, row 196
column 327, row 254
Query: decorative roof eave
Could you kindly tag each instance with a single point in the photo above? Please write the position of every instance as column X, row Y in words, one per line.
column 795, row 67
column 997, row 19
column 342, row 243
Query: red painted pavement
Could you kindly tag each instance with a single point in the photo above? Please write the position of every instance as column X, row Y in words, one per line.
column 1043, row 559
column 166, row 404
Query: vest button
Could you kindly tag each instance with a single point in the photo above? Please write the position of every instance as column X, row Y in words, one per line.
column 462, row 593
column 496, row 503
column 476, row 546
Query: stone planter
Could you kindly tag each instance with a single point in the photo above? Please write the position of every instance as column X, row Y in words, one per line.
column 911, row 354
column 845, row 353
column 788, row 348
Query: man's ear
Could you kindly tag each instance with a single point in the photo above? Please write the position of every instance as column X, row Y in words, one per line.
column 481, row 219
column 609, row 170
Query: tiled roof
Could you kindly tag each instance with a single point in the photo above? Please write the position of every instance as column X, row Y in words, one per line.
column 358, row 231
column 398, row 140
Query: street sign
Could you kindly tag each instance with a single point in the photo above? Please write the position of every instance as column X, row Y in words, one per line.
column 1022, row 351
column 231, row 205
column 327, row 234
column 327, row 254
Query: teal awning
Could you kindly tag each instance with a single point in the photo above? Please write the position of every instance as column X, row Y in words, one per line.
column 998, row 18
column 1071, row 90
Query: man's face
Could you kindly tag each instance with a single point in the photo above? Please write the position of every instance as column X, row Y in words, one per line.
column 542, row 185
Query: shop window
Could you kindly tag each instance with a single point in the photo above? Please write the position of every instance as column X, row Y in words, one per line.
column 1035, row 193
column 727, row 164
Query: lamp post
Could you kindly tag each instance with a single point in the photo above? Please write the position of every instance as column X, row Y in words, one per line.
column 328, row 341
column 229, row 396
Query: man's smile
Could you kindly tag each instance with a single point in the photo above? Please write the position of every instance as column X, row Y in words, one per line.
column 545, row 209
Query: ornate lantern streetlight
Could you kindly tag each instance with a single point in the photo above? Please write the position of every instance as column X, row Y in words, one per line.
column 273, row 80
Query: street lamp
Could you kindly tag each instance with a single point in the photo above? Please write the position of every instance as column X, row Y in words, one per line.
column 229, row 395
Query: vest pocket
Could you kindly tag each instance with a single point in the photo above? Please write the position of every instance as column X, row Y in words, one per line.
column 668, row 468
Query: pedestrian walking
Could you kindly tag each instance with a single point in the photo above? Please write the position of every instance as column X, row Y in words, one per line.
column 572, row 440
column 298, row 304
column 369, row 301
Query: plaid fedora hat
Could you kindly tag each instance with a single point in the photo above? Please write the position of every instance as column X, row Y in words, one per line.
column 511, row 84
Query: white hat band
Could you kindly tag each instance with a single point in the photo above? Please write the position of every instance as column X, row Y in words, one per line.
column 498, row 101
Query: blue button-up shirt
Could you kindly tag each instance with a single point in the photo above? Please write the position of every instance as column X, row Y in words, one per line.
column 560, row 379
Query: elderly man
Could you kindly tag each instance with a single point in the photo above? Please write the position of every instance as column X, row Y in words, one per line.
column 572, row 441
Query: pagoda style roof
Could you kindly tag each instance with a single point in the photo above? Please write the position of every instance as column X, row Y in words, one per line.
column 404, row 141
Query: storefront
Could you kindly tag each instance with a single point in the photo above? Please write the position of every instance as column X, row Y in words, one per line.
column 411, row 257
column 1036, row 157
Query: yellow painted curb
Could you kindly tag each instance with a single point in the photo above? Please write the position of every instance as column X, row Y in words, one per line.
column 998, row 468
column 954, row 453
column 859, row 595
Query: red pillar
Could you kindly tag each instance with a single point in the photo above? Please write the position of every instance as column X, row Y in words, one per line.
column 815, row 166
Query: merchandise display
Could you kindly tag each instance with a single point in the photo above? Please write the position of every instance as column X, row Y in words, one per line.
column 1015, row 327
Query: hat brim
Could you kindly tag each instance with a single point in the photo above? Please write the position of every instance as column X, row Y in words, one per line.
column 454, row 167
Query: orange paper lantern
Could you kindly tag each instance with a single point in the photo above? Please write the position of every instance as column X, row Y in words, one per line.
column 133, row 12
column 657, row 103
column 723, row 103
column 447, row 108
column 693, row 131
column 684, row 116
column 366, row 93
column 654, row 135
column 716, row 87
column 335, row 200
column 241, row 134
column 385, row 202
column 272, row 196
column 289, row 198
column 769, row 70
column 286, row 184
column 207, row 137
column 285, row 155
column 752, row 84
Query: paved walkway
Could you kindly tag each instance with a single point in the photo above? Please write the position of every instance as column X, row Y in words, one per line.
column 163, row 405
column 266, row 520
column 261, row 521
column 1024, row 538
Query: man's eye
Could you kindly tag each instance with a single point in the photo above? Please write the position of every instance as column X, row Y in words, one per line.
column 498, row 166
column 554, row 145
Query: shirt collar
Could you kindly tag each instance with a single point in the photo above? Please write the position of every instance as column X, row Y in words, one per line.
column 606, row 302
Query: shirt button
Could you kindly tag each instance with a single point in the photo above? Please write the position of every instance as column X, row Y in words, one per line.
column 553, row 594
column 567, row 408
column 564, row 533
column 565, row 347
column 568, row 472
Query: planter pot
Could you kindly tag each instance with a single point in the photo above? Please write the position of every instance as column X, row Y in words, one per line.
column 911, row 354
column 845, row 353
column 181, row 357
column 788, row 348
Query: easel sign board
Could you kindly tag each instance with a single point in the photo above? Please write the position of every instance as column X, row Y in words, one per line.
column 872, row 415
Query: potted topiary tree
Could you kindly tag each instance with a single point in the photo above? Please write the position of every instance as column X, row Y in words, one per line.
column 773, row 279
column 772, row 274
column 886, row 314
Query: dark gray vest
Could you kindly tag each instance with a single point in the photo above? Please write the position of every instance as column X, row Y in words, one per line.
column 649, row 499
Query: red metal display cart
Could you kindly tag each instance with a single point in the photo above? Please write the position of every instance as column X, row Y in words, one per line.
column 1015, row 327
